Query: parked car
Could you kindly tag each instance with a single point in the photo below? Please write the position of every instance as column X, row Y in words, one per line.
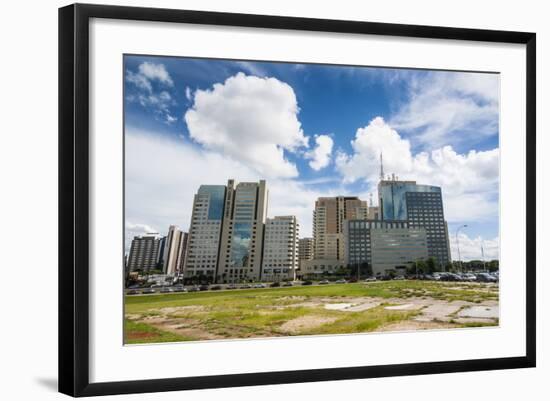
column 245, row 286
column 193, row 288
column 148, row 291
column 204, row 287
column 323, row 282
column 166, row 290
column 216, row 288
column 399, row 277
column 341, row 281
column 275, row 284
column 231, row 287
column 307, row 282
column 485, row 278
column 132, row 292
column 369, row 279
column 180, row 288
column 259, row 285
column 288, row 284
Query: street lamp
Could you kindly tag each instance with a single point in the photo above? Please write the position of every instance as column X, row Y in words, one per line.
column 458, row 245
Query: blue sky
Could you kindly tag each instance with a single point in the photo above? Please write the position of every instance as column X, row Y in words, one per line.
column 310, row 130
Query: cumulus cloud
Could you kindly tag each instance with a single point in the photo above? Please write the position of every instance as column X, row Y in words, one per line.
column 158, row 101
column 450, row 108
column 159, row 192
column 469, row 181
column 249, row 119
column 320, row 155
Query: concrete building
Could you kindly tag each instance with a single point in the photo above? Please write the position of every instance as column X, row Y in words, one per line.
column 280, row 256
column 244, row 215
column 144, row 253
column 320, row 267
column 422, row 206
column 204, row 232
column 328, row 222
column 383, row 246
column 175, row 245
column 373, row 213
column 305, row 248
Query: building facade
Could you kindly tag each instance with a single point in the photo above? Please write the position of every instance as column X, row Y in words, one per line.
column 144, row 253
column 280, row 256
column 244, row 215
column 175, row 245
column 422, row 206
column 203, row 243
column 384, row 246
column 328, row 221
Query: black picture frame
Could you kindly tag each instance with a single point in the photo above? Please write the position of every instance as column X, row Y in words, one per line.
column 74, row 198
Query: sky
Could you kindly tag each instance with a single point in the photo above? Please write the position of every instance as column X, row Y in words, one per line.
column 309, row 130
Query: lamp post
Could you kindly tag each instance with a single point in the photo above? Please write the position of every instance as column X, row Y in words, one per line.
column 458, row 245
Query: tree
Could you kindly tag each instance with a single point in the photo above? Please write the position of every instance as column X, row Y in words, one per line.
column 430, row 265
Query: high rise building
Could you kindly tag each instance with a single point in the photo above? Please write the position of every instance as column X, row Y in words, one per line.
column 422, row 206
column 280, row 256
column 328, row 222
column 383, row 246
column 204, row 231
column 244, row 215
column 175, row 245
column 305, row 249
column 144, row 253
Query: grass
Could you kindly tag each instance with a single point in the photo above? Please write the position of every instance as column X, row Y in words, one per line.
column 264, row 312
column 141, row 333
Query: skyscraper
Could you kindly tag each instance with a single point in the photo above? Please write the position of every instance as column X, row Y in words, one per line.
column 144, row 253
column 328, row 222
column 280, row 257
column 204, row 231
column 174, row 250
column 244, row 215
column 422, row 206
column 305, row 248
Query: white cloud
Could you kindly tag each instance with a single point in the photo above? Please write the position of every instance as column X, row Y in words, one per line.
column 156, row 72
column 470, row 248
column 188, row 93
column 161, row 181
column 320, row 155
column 249, row 119
column 450, row 108
column 158, row 101
column 469, row 181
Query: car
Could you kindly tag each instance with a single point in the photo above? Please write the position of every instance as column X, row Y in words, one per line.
column 469, row 277
column 231, row 287
column 323, row 282
column 275, row 284
column 341, row 281
column 216, row 288
column 132, row 292
column 288, row 284
column 166, row 290
column 428, row 277
column 369, row 279
column 180, row 288
column 193, row 288
column 259, row 285
column 485, row 278
column 204, row 287
column 148, row 291
column 245, row 286
column 307, row 282
column 399, row 278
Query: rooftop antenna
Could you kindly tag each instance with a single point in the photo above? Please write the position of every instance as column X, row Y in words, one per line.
column 381, row 167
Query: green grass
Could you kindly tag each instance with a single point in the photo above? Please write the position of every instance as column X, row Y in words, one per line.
column 263, row 312
column 141, row 333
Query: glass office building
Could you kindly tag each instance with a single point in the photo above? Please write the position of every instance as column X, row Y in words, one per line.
column 422, row 206
column 204, row 231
